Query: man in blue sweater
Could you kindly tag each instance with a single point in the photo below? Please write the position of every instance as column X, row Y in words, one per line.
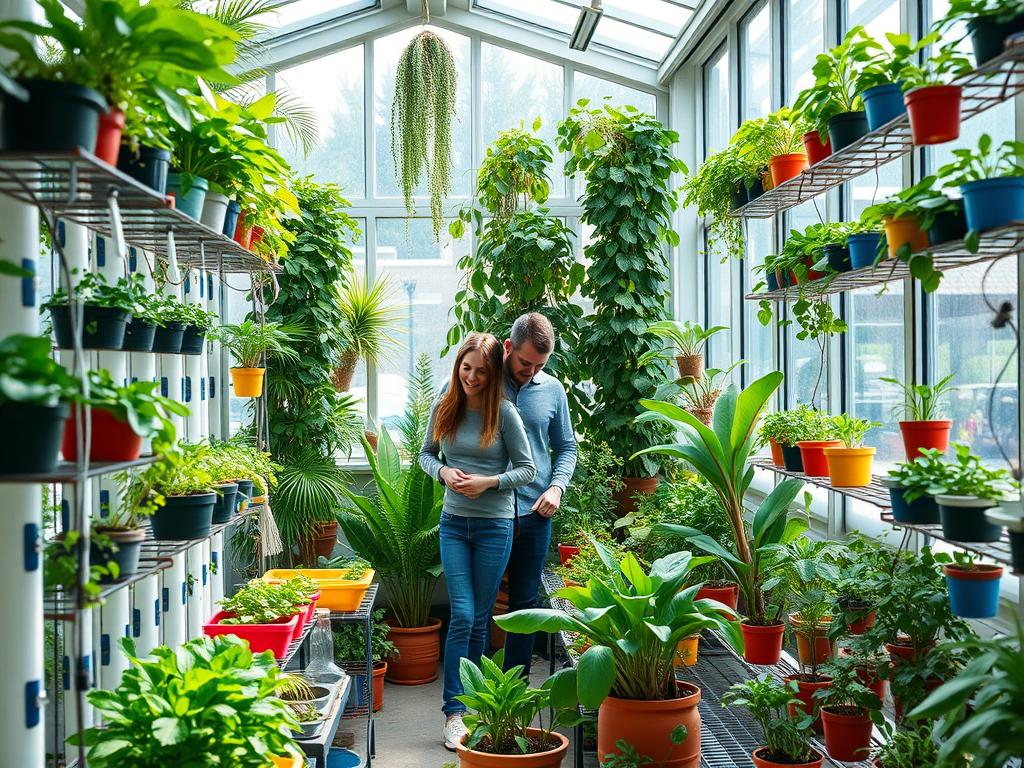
column 544, row 409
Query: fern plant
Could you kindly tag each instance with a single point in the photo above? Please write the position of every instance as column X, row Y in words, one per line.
column 413, row 424
column 422, row 112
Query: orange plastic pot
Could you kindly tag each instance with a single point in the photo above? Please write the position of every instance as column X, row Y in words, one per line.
column 648, row 726
column 816, row 150
column 762, row 645
column 419, row 649
column 812, row 453
column 108, row 138
column 918, row 435
column 257, row 236
column 850, row 467
column 248, row 382
column 686, row 651
column 470, row 758
column 287, row 762
column 566, row 552
column 761, row 762
column 243, row 230
column 847, row 737
column 805, row 693
column 727, row 595
column 904, row 230
column 766, row 181
column 786, row 167
column 777, row 458
column 934, row 113
column 822, row 649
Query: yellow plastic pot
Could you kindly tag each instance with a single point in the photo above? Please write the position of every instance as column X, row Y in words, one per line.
column 336, row 592
column 248, row 381
column 902, row 230
column 686, row 651
column 849, row 467
column 286, row 762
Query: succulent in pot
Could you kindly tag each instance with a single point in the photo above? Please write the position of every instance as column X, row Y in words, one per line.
column 690, row 340
column 964, row 490
column 250, row 343
column 849, row 464
column 933, row 101
column 921, row 415
column 98, row 310
column 848, row 710
column 991, row 180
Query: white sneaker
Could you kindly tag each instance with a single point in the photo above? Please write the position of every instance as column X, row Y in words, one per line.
column 454, row 730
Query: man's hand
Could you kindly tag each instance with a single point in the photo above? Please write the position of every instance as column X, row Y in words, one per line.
column 471, row 486
column 451, row 477
column 548, row 502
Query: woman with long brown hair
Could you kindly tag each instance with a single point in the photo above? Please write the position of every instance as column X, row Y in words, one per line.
column 476, row 445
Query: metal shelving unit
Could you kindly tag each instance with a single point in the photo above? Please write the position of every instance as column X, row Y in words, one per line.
column 363, row 616
column 319, row 747
column 68, row 473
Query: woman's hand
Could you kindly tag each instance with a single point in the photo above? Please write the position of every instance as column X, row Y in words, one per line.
column 472, row 486
column 451, row 477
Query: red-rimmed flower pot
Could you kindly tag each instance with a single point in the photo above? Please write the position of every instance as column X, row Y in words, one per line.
column 812, row 455
column 973, row 590
column 918, row 435
column 805, row 692
column 847, row 735
column 727, row 594
column 869, row 678
column 566, row 552
column 934, row 113
column 816, row 149
column 863, row 624
column 275, row 637
column 762, row 644
column 761, row 761
column 110, row 438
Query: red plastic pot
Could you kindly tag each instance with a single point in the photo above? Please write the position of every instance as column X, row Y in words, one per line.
column 301, row 618
column 925, row 434
column 929, row 685
column 786, row 167
column 805, row 693
column 762, row 645
column 847, row 737
column 812, row 452
column 813, row 274
column 934, row 113
column 108, row 138
column 760, row 762
column 243, row 230
column 816, row 150
column 274, row 637
column 863, row 624
column 111, row 438
column 727, row 595
column 777, row 458
column 566, row 552
column 257, row 235
column 868, row 678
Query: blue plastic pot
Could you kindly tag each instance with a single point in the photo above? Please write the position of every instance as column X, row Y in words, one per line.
column 191, row 202
column 231, row 218
column 773, row 281
column 973, row 594
column 993, row 202
column 882, row 104
column 864, row 248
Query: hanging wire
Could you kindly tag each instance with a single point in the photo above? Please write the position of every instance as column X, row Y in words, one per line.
column 1002, row 318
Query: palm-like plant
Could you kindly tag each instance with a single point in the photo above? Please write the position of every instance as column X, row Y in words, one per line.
column 398, row 531
column 310, row 489
column 371, row 317
column 250, row 340
column 413, row 424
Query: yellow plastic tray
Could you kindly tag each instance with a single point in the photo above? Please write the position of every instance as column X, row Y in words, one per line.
column 336, row 593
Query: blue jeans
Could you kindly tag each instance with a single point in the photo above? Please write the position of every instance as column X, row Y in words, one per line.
column 474, row 552
column 529, row 553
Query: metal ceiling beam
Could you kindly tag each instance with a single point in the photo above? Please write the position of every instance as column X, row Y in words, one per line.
column 666, row 29
column 700, row 23
column 437, row 7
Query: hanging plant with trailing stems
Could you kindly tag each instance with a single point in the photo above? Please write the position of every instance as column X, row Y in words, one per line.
column 426, row 84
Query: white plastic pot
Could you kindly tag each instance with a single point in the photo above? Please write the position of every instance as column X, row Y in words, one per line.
column 215, row 208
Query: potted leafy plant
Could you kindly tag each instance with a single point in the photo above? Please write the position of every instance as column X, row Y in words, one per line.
column 908, row 747
column 502, row 708
column 866, row 241
column 588, row 504
column 249, row 342
column 371, row 316
column 787, row 739
column 266, row 615
column 989, row 24
column 856, row 588
column 176, row 492
column 717, row 188
column 849, row 465
column 690, row 340
column 802, row 424
column 235, row 683
column 117, row 538
column 933, row 102
column 699, row 395
column 991, row 180
column 848, row 709
column 973, row 586
column 350, row 654
column 908, row 483
column 102, row 312
column 628, row 670
column 880, row 82
column 922, row 425
column 783, row 133
column 34, row 395
column 198, row 322
column 811, row 622
column 168, row 315
column 964, row 491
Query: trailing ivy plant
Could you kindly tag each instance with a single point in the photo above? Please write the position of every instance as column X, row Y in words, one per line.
column 626, row 159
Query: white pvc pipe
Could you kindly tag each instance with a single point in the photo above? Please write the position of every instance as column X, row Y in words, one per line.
column 114, row 624
column 215, row 387
column 218, row 566
column 196, row 605
column 195, row 425
column 172, row 590
column 142, row 365
column 172, row 375
column 208, row 609
column 146, row 613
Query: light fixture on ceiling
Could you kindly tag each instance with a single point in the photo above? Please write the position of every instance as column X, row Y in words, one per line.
column 585, row 25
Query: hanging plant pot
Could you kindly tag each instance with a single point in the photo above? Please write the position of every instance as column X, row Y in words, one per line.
column 755, row 190
column 838, row 256
column 846, row 128
column 777, row 458
column 812, row 456
column 807, row 685
column 847, row 733
column 882, row 104
column 192, row 340
column 988, row 36
column 1010, row 513
column 139, row 335
column 918, row 435
column 761, row 755
column 921, row 511
column 226, row 506
column 190, row 203
column 816, row 150
column 184, row 517
column 549, row 758
column 864, row 249
column 248, row 382
column 38, row 429
column 566, row 552
column 949, row 225
column 274, row 637
column 762, row 644
column 648, row 726
column 102, row 327
column 690, row 365
column 419, row 650
column 792, row 458
column 974, row 589
column 786, row 167
column 991, row 203
column 57, row 117
column 110, row 438
column 127, row 543
column 726, row 593
column 963, row 519
column 904, row 230
column 215, row 209
column 850, row 467
column 686, row 651
column 625, row 497
column 149, row 166
column 934, row 113
column 108, row 136
column 167, row 339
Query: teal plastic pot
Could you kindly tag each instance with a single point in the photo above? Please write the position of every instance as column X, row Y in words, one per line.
column 244, row 494
column 949, row 225
column 974, row 592
column 845, row 128
column 864, row 248
column 988, row 35
column 882, row 104
column 231, row 218
column 773, row 281
column 191, row 202
column 57, row 117
column 148, row 167
column 963, row 519
column 184, row 517
column 993, row 203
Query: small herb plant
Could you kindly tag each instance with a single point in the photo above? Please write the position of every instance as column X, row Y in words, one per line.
column 60, row 568
column 29, row 375
column 836, row 74
column 350, row 642
column 787, row 428
column 93, row 290
column 261, row 603
column 942, row 67
column 588, row 504
column 178, row 472
column 988, row 161
column 892, row 63
column 249, row 340
column 787, row 739
column 921, row 401
column 917, row 476
column 852, row 430
column 967, row 476
column 847, row 695
column 907, row 747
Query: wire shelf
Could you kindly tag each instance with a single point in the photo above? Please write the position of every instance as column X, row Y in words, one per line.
column 363, row 613
column 67, row 471
column 77, row 186
column 295, row 645
column 992, row 245
column 987, row 86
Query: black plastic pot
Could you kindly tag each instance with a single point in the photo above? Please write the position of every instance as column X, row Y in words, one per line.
column 102, row 327
column 58, row 117
column 192, row 340
column 225, row 507
column 738, row 195
column 184, row 517
column 845, row 128
column 792, row 458
column 148, row 167
column 244, row 492
column 1017, row 550
column 138, row 335
column 127, row 544
column 168, row 340
column 921, row 511
column 755, row 190
column 838, row 257
column 989, row 36
column 949, row 225
column 967, row 523
column 32, row 437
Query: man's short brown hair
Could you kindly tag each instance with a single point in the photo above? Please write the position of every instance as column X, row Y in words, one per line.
column 536, row 329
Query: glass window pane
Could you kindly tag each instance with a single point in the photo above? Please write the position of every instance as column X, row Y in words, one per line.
column 758, row 341
column 668, row 18
column 717, row 129
column 757, row 64
column 721, row 293
column 598, row 90
column 630, row 39
column 297, row 11
column 805, row 29
column 544, row 13
column 876, row 16
column 333, row 88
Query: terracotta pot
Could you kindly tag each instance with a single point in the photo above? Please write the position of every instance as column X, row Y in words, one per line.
column 371, row 438
column 777, row 458
column 786, row 167
column 566, row 552
column 863, row 624
column 648, row 726
column 380, row 670
column 690, row 365
column 816, row 150
column 900, row 652
column 812, row 455
column 823, row 648
column 469, row 758
column 243, row 230
column 110, row 438
column 686, row 651
column 728, row 595
column 342, row 376
column 324, row 538
column 248, row 382
column 419, row 650
column 806, row 696
column 905, row 230
column 847, row 737
column 897, row 704
column 625, row 502
column 760, row 762
column 108, row 138
column 934, row 113
column 925, row 434
column 869, row 678
column 762, row 645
